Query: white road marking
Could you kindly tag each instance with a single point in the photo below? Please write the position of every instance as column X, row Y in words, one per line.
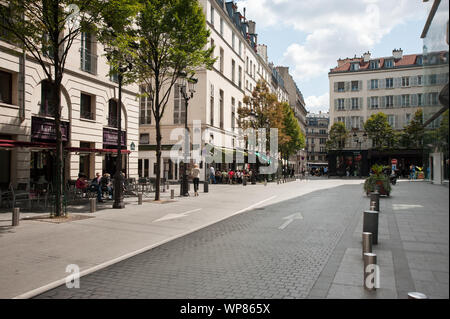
column 404, row 206
column 290, row 219
column 174, row 216
column 57, row 283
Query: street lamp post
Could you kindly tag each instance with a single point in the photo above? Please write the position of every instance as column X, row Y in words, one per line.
column 356, row 139
column 118, row 177
column 186, row 84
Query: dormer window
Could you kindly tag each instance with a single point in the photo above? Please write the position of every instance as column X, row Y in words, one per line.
column 389, row 63
column 354, row 67
column 374, row 64
column 419, row 60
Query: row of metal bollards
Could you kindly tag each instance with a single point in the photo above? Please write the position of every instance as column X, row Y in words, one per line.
column 370, row 238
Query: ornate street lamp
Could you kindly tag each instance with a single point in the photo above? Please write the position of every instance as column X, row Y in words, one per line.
column 358, row 141
column 118, row 177
column 187, row 90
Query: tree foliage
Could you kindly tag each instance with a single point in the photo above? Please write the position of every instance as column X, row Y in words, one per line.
column 412, row 134
column 46, row 30
column 295, row 140
column 169, row 37
column 262, row 110
column 337, row 136
column 379, row 130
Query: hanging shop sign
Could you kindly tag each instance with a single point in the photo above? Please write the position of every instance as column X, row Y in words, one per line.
column 44, row 129
column 110, row 137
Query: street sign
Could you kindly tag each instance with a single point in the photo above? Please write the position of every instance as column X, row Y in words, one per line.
column 394, row 161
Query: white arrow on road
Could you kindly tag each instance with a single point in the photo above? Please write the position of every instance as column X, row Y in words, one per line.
column 174, row 216
column 290, row 219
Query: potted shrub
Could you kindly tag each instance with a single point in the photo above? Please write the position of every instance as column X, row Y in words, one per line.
column 377, row 181
column 420, row 173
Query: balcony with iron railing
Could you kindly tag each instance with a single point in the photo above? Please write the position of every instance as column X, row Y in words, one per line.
column 46, row 109
column 113, row 122
column 88, row 61
column 87, row 115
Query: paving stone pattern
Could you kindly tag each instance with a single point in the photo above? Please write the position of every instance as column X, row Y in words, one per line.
column 245, row 256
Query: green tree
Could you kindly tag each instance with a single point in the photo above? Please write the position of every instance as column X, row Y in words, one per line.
column 295, row 140
column 46, row 30
column 262, row 110
column 379, row 130
column 337, row 136
column 171, row 37
column 412, row 134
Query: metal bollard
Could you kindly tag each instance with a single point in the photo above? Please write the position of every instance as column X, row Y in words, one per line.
column 167, row 185
column 15, row 216
column 265, row 182
column 92, row 205
column 370, row 259
column 375, row 200
column 366, row 243
column 370, row 224
column 140, row 199
column 244, row 181
column 416, row 295
column 172, row 194
column 206, row 186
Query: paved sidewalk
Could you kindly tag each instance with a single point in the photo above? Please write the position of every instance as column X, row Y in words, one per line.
column 412, row 250
column 34, row 255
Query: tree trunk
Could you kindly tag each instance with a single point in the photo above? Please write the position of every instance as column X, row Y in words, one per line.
column 59, row 176
column 158, row 159
column 158, row 139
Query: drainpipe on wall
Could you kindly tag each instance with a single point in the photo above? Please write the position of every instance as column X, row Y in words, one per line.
column 21, row 89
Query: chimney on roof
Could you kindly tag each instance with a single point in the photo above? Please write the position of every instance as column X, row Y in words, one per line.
column 251, row 27
column 262, row 51
column 366, row 56
column 397, row 54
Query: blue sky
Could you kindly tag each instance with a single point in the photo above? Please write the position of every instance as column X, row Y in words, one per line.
column 309, row 36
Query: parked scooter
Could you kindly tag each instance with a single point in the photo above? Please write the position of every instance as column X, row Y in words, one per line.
column 393, row 178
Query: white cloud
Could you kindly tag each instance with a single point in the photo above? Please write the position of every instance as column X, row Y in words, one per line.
column 314, row 104
column 335, row 29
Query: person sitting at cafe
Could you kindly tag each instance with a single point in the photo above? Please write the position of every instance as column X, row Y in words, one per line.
column 81, row 183
column 95, row 184
column 105, row 184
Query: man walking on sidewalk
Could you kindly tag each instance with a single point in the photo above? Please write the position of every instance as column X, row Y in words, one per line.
column 212, row 174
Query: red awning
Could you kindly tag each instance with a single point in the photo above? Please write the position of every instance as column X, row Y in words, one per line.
column 12, row 143
column 6, row 145
column 94, row 150
column 28, row 144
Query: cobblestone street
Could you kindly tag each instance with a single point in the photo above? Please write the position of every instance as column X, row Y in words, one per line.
column 252, row 255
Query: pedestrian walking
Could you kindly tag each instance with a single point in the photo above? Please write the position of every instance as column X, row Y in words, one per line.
column 196, row 178
column 212, row 174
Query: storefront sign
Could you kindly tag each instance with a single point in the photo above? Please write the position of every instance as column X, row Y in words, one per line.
column 44, row 129
column 110, row 137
